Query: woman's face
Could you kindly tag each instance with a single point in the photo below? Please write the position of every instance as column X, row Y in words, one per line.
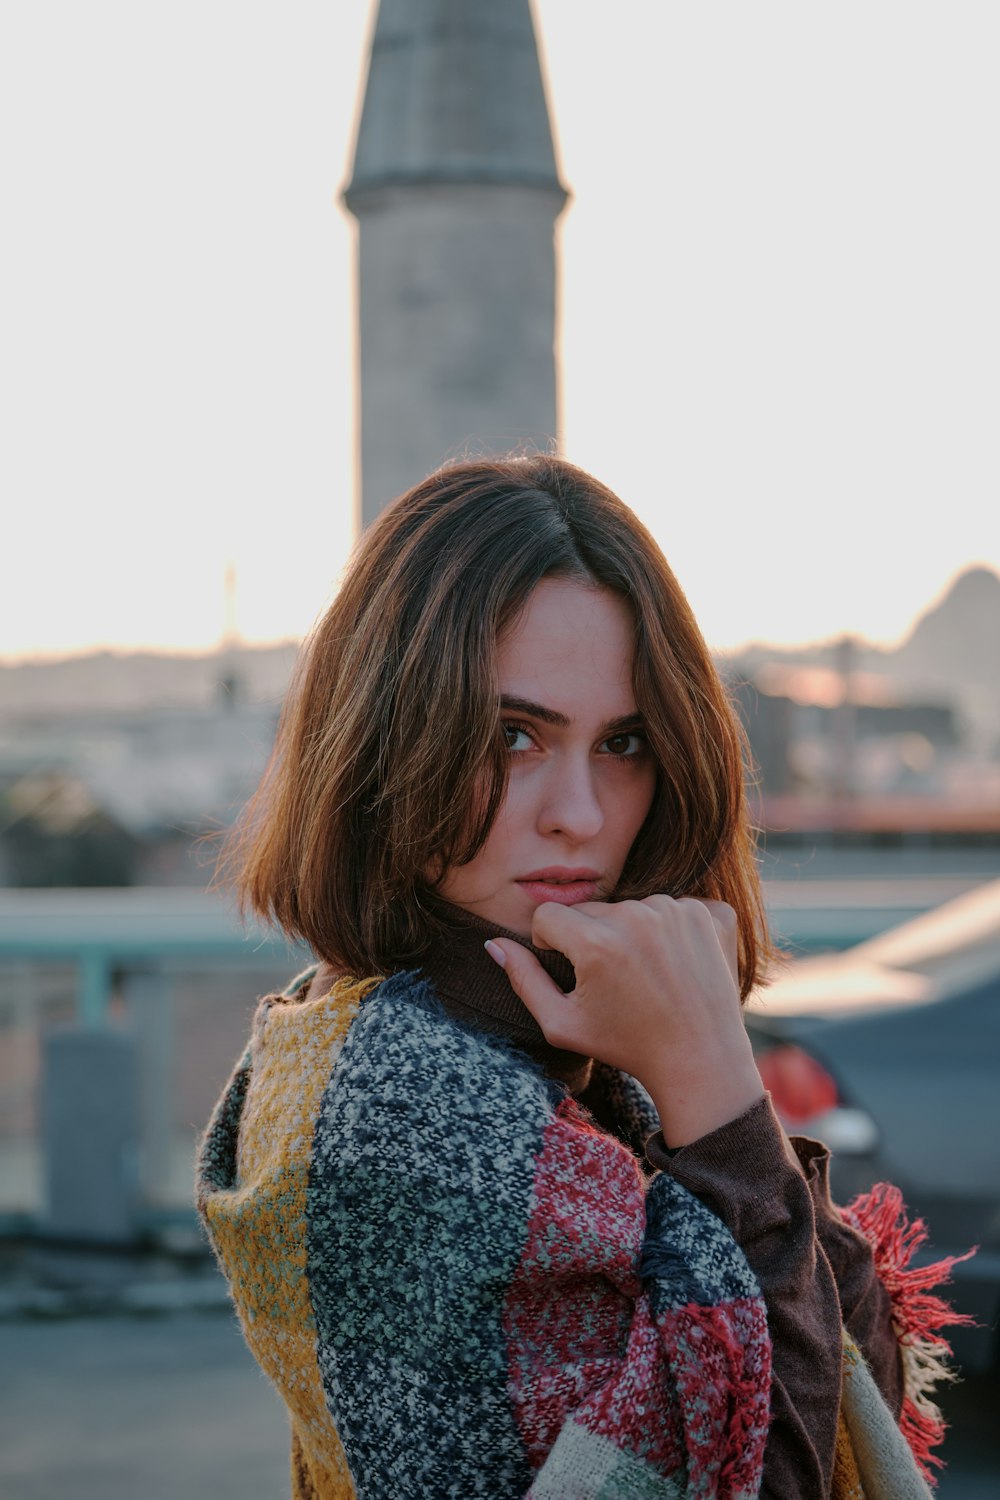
column 582, row 776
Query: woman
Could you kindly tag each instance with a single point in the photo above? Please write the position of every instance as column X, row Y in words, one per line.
column 502, row 1201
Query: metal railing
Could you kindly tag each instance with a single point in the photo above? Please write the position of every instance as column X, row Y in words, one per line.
column 121, row 1012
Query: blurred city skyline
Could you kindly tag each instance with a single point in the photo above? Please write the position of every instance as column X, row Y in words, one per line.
column 230, row 637
column 780, row 310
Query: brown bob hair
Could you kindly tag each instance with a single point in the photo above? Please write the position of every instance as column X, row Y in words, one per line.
column 390, row 760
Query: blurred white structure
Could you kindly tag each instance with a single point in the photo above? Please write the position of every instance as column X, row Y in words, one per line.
column 456, row 192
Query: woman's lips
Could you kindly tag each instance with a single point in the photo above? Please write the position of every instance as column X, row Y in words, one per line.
column 565, row 892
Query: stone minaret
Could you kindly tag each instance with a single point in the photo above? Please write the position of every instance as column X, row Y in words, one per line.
column 456, row 192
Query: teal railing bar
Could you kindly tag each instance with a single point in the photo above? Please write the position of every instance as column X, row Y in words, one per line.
column 94, row 987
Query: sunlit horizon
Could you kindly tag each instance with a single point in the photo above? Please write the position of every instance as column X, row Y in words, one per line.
column 237, row 641
column 779, row 310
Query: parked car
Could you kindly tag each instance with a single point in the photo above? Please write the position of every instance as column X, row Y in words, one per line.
column 890, row 1052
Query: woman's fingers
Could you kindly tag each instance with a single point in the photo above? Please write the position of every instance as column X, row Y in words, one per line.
column 727, row 931
column 602, row 937
column 530, row 983
column 565, row 928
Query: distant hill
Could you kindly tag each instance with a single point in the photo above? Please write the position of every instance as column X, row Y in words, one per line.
column 958, row 637
column 130, row 681
column 951, row 655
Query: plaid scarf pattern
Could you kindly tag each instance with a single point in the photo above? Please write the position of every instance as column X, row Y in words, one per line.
column 462, row 1287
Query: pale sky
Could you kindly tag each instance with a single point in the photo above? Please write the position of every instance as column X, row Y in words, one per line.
column 780, row 306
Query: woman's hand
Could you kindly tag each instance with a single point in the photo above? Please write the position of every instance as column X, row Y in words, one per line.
column 656, row 995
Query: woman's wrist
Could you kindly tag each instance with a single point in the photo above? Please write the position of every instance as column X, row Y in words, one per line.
column 694, row 1100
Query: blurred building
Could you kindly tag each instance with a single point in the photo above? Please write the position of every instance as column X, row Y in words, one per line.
column 811, row 730
column 456, row 192
column 54, row 832
column 113, row 798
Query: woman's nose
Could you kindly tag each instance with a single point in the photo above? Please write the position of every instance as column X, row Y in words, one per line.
column 570, row 804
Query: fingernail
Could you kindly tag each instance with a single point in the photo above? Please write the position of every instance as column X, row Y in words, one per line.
column 497, row 954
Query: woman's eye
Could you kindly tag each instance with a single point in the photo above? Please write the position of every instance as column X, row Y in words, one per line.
column 624, row 744
column 517, row 738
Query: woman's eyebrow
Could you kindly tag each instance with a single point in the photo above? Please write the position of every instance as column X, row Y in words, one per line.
column 532, row 710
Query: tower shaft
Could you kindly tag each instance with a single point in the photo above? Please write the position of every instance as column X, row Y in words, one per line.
column 456, row 194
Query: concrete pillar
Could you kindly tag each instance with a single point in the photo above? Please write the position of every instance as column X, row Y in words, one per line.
column 149, row 1004
column 90, row 1133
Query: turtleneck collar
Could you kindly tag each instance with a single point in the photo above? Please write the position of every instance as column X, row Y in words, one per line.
column 473, row 988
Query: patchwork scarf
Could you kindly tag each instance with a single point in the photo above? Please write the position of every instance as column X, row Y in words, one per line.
column 461, row 1286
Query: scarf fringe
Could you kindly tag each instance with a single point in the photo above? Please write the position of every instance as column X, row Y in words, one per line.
column 918, row 1315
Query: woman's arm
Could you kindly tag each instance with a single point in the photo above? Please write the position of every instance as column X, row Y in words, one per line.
column 743, row 1173
column 856, row 1270
column 865, row 1302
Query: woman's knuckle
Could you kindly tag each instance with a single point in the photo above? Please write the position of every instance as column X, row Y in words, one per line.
column 557, row 1035
column 603, row 940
